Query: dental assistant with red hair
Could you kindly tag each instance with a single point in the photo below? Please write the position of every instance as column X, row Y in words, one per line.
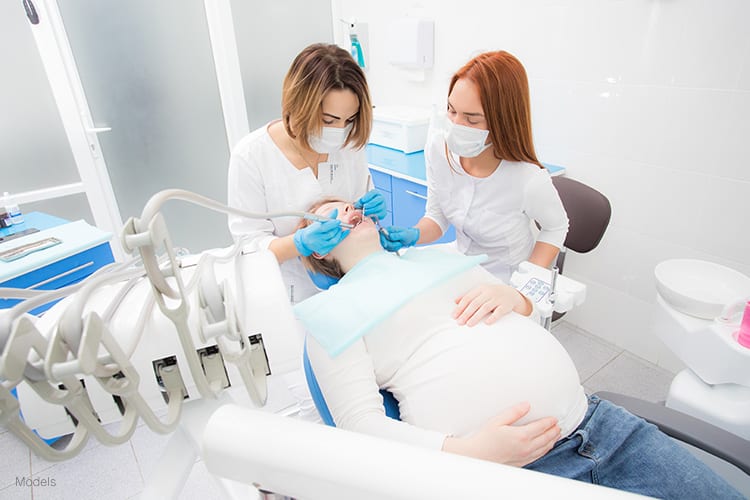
column 484, row 178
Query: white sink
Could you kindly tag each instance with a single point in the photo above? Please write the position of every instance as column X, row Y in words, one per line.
column 698, row 287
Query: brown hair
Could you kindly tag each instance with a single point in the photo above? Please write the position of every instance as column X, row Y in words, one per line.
column 504, row 94
column 329, row 267
column 316, row 70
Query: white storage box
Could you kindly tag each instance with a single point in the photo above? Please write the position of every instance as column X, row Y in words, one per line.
column 400, row 127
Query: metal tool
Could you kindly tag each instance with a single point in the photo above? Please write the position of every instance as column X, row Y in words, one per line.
column 13, row 236
column 552, row 297
column 381, row 229
column 322, row 218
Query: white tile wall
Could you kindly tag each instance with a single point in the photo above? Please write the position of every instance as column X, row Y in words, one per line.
column 647, row 101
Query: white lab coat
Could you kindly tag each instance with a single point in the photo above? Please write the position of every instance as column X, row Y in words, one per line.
column 262, row 179
column 493, row 215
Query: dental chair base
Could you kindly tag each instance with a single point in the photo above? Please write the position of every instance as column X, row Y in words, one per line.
column 715, row 386
column 724, row 405
column 707, row 346
column 171, row 471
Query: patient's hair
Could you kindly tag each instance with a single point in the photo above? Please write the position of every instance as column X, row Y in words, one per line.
column 329, row 267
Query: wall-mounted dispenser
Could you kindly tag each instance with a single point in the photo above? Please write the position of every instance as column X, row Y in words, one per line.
column 357, row 40
column 411, row 43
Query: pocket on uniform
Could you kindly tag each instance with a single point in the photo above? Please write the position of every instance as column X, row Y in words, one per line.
column 503, row 230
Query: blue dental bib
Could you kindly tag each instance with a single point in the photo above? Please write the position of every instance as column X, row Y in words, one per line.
column 371, row 291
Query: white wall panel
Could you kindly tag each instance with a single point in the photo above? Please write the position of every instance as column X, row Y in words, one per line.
column 647, row 101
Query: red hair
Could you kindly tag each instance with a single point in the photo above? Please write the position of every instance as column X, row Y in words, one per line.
column 504, row 94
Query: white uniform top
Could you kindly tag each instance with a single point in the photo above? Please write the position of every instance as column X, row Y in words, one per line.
column 493, row 215
column 262, row 179
column 448, row 379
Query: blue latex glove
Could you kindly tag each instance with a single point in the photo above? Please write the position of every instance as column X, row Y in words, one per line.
column 373, row 204
column 399, row 237
column 320, row 237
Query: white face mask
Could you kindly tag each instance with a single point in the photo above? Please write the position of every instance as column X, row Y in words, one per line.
column 465, row 141
column 330, row 140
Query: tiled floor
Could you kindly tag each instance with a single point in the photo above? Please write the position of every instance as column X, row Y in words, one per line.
column 102, row 472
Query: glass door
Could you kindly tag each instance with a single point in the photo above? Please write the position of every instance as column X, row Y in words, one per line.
column 148, row 74
column 147, row 94
column 36, row 161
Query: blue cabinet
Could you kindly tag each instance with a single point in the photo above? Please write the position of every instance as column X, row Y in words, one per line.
column 409, row 200
column 83, row 250
column 400, row 177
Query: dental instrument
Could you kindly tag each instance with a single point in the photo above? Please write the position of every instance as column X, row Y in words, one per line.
column 321, row 218
column 381, row 229
column 155, row 202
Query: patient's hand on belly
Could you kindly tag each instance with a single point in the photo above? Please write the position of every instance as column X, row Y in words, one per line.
column 500, row 441
column 489, row 302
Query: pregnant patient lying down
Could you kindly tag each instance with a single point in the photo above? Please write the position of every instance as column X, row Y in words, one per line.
column 503, row 389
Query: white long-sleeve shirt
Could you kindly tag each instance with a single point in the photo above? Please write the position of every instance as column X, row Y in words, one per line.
column 448, row 379
column 493, row 215
column 262, row 179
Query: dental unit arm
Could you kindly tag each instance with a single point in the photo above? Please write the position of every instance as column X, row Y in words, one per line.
column 81, row 357
column 549, row 290
column 179, row 341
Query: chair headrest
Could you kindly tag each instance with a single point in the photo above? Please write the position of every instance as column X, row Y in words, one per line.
column 588, row 210
column 322, row 281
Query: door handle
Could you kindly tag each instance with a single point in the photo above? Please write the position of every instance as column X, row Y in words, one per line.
column 416, row 195
column 93, row 142
column 31, row 11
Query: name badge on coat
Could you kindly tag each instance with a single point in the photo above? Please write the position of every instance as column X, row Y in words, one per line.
column 327, row 174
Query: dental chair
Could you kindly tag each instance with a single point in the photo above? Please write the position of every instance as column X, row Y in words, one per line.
column 175, row 342
column 589, row 212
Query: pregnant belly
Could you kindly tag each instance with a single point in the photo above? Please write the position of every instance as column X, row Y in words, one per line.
column 462, row 377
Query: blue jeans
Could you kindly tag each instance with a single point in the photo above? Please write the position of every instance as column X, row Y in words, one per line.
column 612, row 447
